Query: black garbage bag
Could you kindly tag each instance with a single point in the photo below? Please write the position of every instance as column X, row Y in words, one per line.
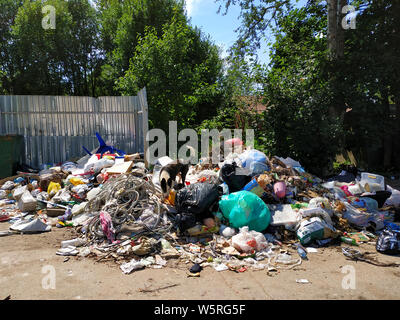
column 194, row 203
column 235, row 182
column 388, row 242
column 196, row 198
column 185, row 221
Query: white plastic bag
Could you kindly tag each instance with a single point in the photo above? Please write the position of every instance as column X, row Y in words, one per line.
column 247, row 241
column 3, row 194
column 98, row 165
column 394, row 199
column 8, row 185
column 18, row 192
column 321, row 202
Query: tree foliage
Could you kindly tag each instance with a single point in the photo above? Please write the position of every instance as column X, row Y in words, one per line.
column 318, row 106
column 181, row 70
column 53, row 61
column 122, row 23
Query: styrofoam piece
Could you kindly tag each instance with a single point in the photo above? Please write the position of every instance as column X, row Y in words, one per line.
column 27, row 202
column 283, row 215
column 163, row 161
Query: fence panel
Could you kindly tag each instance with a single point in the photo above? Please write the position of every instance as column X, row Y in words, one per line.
column 56, row 127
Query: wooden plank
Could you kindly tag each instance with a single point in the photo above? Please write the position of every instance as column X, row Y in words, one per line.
column 120, row 168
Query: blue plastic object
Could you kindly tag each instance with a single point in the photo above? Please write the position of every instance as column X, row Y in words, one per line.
column 257, row 168
column 104, row 147
column 248, row 158
column 392, row 226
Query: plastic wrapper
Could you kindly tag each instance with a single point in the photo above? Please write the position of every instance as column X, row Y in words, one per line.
column 394, row 199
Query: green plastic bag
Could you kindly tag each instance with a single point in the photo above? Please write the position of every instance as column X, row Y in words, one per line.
column 244, row 208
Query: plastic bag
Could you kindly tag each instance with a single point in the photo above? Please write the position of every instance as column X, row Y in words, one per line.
column 196, row 198
column 388, row 242
column 8, row 185
column 248, row 241
column 364, row 202
column 394, row 199
column 53, row 188
column 18, row 192
column 244, row 208
column 356, row 189
column 250, row 156
column 257, row 168
column 193, row 203
column 98, row 165
column 3, row 194
column 234, row 181
column 68, row 166
column 62, row 196
column 76, row 181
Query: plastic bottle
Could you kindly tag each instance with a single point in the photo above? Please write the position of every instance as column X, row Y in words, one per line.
column 349, row 241
column 302, row 253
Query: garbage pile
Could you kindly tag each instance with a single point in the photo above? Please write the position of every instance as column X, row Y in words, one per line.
column 246, row 212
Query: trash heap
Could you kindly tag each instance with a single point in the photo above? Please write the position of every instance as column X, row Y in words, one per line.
column 246, row 212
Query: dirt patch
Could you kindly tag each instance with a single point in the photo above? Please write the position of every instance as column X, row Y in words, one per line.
column 28, row 260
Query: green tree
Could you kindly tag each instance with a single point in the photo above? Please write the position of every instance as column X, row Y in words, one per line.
column 297, row 121
column 369, row 78
column 181, row 70
column 242, row 94
column 122, row 24
column 54, row 61
column 8, row 12
column 257, row 17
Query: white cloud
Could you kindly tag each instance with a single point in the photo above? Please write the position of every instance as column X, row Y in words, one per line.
column 192, row 6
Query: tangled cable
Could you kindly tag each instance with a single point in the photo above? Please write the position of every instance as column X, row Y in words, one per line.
column 125, row 198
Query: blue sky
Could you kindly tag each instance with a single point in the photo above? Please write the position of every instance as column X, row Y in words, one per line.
column 203, row 14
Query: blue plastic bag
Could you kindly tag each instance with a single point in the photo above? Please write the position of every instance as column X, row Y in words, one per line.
column 251, row 156
column 244, row 208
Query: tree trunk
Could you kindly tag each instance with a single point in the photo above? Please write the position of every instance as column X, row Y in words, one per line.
column 387, row 138
column 332, row 27
column 340, row 30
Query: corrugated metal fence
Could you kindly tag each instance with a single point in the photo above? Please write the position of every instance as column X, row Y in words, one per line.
column 56, row 127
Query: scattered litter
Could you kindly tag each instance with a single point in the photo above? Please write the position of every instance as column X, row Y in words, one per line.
column 302, row 281
column 248, row 212
column 221, row 267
